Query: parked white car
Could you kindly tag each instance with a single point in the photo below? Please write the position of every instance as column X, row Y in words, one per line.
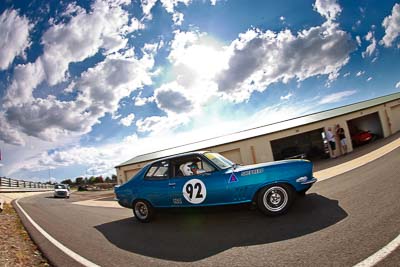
column 61, row 190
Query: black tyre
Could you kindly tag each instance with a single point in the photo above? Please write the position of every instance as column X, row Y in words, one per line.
column 275, row 199
column 143, row 211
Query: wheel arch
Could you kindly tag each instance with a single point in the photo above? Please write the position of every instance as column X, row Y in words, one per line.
column 140, row 198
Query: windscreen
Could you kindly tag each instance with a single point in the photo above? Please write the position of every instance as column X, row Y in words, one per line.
column 219, row 160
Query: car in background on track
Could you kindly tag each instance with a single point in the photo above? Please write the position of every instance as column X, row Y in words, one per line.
column 203, row 178
column 61, row 190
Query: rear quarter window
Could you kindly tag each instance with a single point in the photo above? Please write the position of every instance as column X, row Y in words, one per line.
column 158, row 171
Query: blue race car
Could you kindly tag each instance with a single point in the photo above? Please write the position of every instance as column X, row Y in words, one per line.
column 208, row 179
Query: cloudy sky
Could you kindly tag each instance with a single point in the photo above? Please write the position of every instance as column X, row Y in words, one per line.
column 86, row 85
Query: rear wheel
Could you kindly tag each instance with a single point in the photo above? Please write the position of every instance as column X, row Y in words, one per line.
column 275, row 200
column 143, row 211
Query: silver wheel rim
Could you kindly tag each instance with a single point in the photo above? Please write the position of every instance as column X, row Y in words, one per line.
column 275, row 198
column 141, row 210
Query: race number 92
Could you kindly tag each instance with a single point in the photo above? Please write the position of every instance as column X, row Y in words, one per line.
column 194, row 191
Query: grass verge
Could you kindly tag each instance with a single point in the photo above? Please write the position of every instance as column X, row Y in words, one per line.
column 16, row 247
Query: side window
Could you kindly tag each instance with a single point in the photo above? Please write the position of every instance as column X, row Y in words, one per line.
column 192, row 166
column 158, row 171
column 207, row 167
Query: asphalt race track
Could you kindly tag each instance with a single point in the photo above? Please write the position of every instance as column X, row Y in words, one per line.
column 340, row 222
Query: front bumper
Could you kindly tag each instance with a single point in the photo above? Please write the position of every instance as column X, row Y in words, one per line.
column 61, row 194
column 305, row 181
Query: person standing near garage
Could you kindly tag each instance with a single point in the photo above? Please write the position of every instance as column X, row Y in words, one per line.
column 342, row 138
column 331, row 140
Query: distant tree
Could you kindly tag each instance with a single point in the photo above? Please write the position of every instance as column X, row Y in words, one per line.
column 68, row 182
column 86, row 180
column 108, row 180
column 99, row 179
column 92, row 180
column 114, row 178
column 79, row 180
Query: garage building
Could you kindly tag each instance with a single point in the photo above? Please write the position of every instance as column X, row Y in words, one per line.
column 302, row 137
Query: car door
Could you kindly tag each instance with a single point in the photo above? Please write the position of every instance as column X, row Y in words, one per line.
column 154, row 187
column 207, row 188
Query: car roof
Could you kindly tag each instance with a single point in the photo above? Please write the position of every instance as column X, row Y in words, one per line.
column 180, row 156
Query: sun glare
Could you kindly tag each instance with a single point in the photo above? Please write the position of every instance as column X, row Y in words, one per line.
column 206, row 60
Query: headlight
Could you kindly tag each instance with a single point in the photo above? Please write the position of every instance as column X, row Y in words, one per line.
column 302, row 179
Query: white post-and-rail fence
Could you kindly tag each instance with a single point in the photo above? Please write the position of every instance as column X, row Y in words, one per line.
column 8, row 183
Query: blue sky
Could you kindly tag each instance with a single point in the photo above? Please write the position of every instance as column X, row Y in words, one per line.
column 86, row 85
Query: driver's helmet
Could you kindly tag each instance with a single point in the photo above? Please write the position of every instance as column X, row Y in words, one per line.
column 186, row 168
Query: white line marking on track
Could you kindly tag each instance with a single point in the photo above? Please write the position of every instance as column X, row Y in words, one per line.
column 380, row 254
column 56, row 243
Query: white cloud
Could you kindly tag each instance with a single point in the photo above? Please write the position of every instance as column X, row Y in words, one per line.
column 251, row 63
column 397, row 84
column 372, row 47
column 127, row 121
column 282, row 18
column 358, row 39
column 170, row 7
column 171, row 98
column 15, row 157
column 328, row 8
column 177, row 18
column 81, row 37
column 190, row 57
column 99, row 91
column 157, row 125
column 48, row 118
column 336, row 97
column 286, row 97
column 14, row 36
column 392, row 26
column 346, row 74
column 259, row 59
column 369, row 79
column 359, row 73
column 147, row 5
column 8, row 133
column 141, row 101
column 26, row 77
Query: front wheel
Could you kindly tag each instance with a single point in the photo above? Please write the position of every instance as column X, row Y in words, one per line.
column 275, row 200
column 143, row 211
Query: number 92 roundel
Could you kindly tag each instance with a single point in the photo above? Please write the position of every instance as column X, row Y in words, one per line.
column 194, row 191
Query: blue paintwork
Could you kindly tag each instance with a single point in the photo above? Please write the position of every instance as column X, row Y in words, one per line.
column 220, row 190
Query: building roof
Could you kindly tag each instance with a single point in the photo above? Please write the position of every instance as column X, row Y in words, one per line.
column 262, row 130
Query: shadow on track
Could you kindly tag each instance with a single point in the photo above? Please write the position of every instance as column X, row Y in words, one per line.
column 188, row 235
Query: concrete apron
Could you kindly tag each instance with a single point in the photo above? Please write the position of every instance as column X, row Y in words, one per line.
column 358, row 162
